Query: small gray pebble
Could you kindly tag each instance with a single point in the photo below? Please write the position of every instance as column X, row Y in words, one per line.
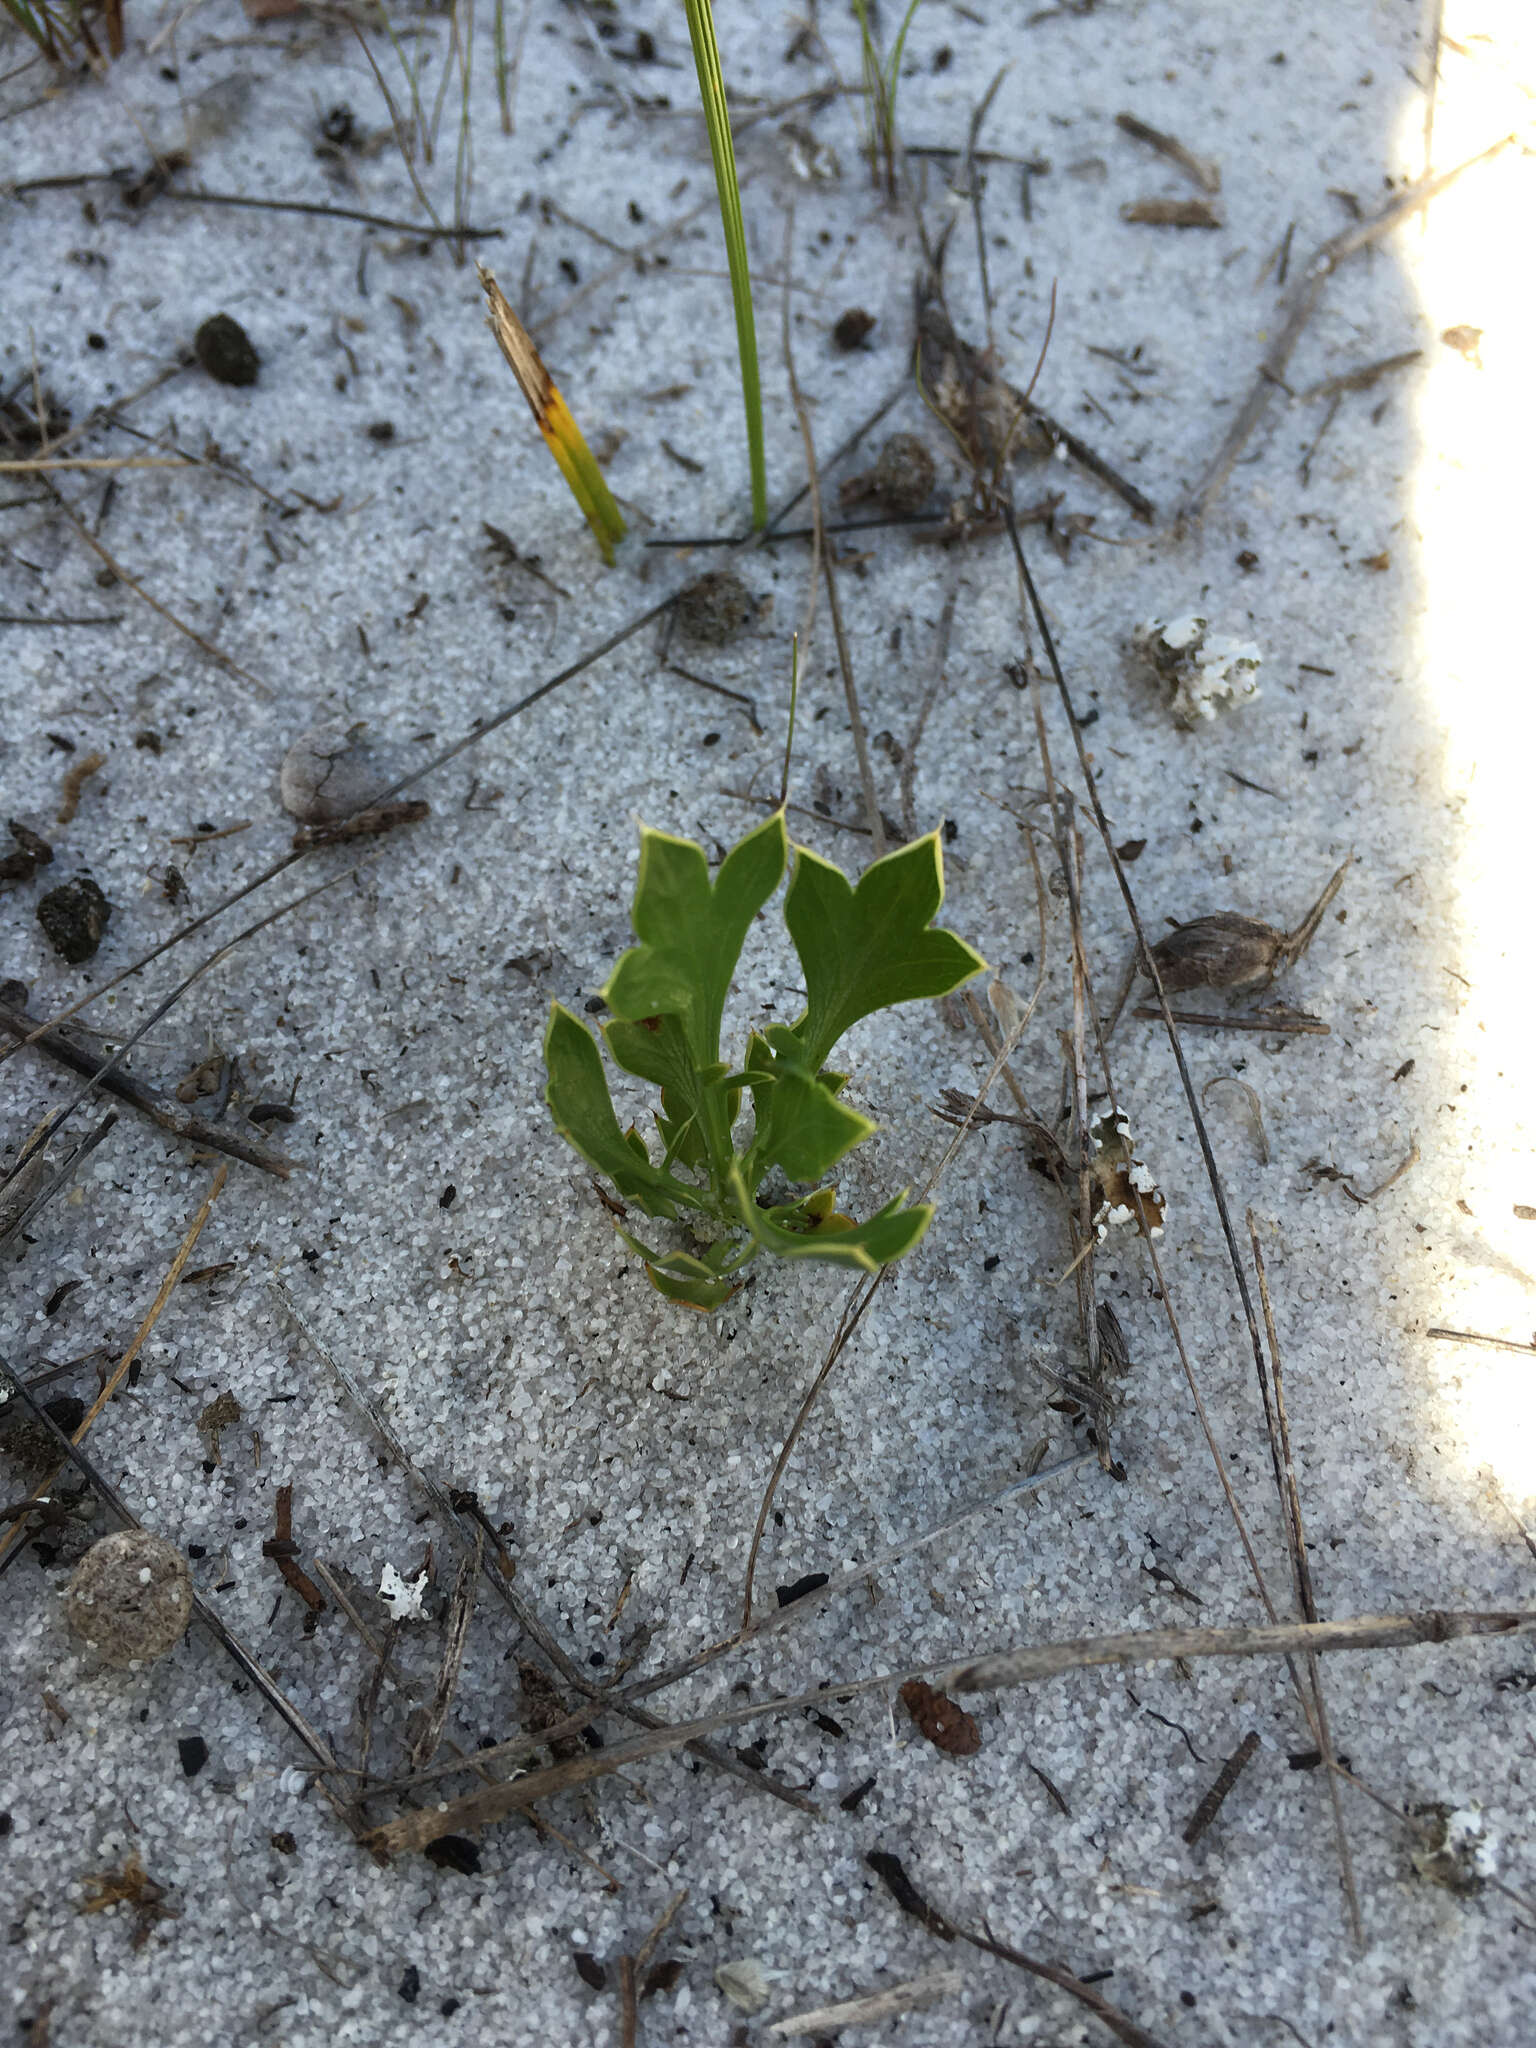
column 326, row 775
column 130, row 1599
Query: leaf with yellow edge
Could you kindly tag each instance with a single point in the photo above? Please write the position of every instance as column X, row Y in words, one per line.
column 563, row 437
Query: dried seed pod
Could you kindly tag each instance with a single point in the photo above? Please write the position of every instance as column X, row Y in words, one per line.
column 1221, row 951
column 715, row 608
column 324, row 775
column 1227, row 950
column 904, row 474
column 945, row 1725
column 745, row 1984
column 73, row 917
column 130, row 1599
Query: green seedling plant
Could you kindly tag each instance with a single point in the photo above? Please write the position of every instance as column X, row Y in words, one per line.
column 882, row 81
column 733, row 1174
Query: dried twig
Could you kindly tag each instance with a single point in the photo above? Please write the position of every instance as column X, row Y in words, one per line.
column 1226, row 1778
column 1204, row 173
column 204, row 646
column 1391, row 1180
column 1301, row 1573
column 872, row 2007
column 894, row 1877
column 120, row 1371
column 1277, row 1639
column 1005, row 1668
column 1286, row 1023
column 422, row 232
column 164, row 1110
column 1303, row 303
column 460, row 1608
column 284, row 1553
column 1475, row 1337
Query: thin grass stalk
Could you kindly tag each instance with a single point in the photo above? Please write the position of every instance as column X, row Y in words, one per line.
column 717, row 119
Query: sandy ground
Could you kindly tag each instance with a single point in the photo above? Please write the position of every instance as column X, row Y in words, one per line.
column 453, row 1257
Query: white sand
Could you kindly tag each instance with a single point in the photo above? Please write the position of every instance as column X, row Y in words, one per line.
column 621, row 1444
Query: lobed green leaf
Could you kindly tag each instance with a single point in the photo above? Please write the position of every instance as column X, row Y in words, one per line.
column 578, row 1098
column 863, row 949
column 889, row 1234
column 691, row 931
column 802, row 1127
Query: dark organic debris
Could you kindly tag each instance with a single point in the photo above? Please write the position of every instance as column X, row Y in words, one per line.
column 903, row 477
column 193, row 1752
column 991, row 421
column 851, row 329
column 798, row 1590
column 30, row 853
column 1458, row 1850
column 30, row 1443
column 947, row 1726
column 226, row 351
column 1226, row 1778
column 454, row 1852
column 892, row 1874
column 131, row 1885
column 542, row 1707
column 74, row 917
column 716, row 608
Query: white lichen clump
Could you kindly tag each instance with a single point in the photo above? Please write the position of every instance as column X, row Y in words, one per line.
column 403, row 1597
column 1202, row 672
column 1463, row 1852
column 1125, row 1193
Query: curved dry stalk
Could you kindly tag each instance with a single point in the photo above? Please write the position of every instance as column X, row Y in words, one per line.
column 863, row 1294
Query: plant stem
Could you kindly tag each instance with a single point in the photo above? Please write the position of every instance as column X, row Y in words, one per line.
column 706, row 57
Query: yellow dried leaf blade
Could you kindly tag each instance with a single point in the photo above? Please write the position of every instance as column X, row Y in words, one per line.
column 554, row 420
column 578, row 465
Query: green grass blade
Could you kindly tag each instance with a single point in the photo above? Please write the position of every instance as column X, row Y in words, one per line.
column 28, row 22
column 717, row 119
column 893, row 70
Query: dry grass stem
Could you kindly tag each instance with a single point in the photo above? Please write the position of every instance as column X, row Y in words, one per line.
column 1003, row 1669
column 119, row 1372
column 1303, row 303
